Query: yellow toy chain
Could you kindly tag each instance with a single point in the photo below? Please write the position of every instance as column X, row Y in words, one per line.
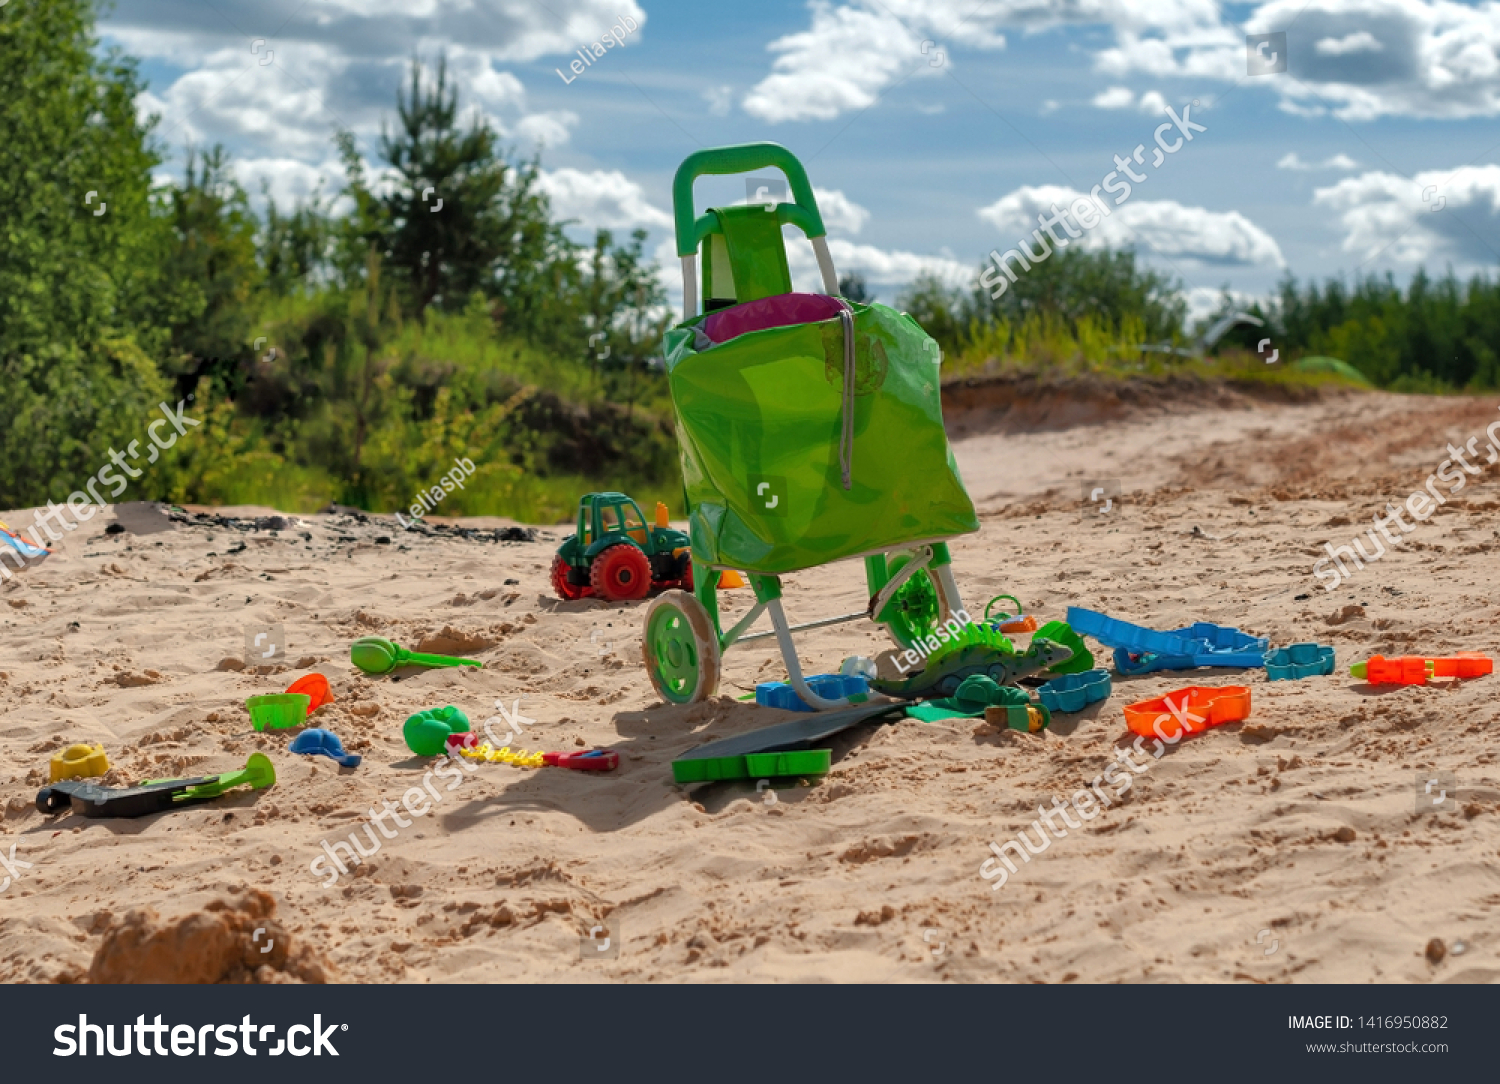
column 488, row 752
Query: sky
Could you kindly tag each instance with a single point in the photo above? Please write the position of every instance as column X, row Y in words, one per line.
column 933, row 131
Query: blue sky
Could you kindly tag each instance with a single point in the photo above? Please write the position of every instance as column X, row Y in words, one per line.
column 933, row 130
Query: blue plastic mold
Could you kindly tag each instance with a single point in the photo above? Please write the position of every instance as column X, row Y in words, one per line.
column 1112, row 632
column 1074, row 692
column 780, row 694
column 1298, row 661
column 1141, row 650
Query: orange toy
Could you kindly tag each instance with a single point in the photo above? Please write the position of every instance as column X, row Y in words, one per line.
column 315, row 687
column 1416, row 670
column 1192, row 709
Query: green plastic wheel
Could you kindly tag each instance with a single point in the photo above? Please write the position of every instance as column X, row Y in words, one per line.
column 917, row 609
column 681, row 648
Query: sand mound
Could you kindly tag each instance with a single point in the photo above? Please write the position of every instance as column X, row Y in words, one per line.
column 216, row 944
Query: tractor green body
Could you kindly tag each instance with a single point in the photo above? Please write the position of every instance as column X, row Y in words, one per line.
column 608, row 519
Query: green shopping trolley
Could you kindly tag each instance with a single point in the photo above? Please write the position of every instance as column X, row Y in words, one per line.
column 811, row 431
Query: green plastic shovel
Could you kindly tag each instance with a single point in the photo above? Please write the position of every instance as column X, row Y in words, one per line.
column 376, row 655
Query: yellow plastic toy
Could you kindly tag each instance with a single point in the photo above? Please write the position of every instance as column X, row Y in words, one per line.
column 79, row 762
column 487, row 752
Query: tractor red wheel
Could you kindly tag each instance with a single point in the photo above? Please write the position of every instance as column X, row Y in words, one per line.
column 560, row 585
column 687, row 577
column 621, row 572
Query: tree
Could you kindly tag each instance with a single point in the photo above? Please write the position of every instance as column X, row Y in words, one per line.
column 449, row 216
column 79, row 254
column 852, row 287
column 213, row 265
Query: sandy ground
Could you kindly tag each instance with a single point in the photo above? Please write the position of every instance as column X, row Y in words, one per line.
column 1302, row 823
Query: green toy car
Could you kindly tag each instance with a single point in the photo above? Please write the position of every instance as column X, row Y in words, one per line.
column 616, row 555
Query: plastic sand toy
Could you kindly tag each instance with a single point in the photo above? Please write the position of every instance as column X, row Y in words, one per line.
column 152, row 795
column 315, row 688
column 1060, row 632
column 318, row 742
column 595, row 760
column 942, row 677
column 1007, row 622
column 811, row 431
column 753, row 766
column 519, row 758
column 427, row 732
column 78, row 762
column 1416, row 670
column 1074, row 692
column 1299, row 661
column 974, row 695
column 1028, row 718
column 376, row 655
column 728, row 758
column 1139, row 650
column 1189, row 710
column 855, row 688
column 614, row 554
column 278, row 711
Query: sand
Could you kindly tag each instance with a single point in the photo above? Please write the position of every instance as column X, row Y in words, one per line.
column 1289, row 848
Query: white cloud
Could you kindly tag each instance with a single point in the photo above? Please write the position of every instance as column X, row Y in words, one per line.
column 1361, row 41
column 188, row 32
column 1115, row 98
column 841, row 63
column 886, row 271
column 548, row 129
column 719, row 100
column 1153, row 103
column 1362, row 58
column 840, row 213
column 340, row 63
column 1437, row 216
column 602, row 199
column 288, row 180
column 1162, row 228
column 1205, row 301
column 1291, row 160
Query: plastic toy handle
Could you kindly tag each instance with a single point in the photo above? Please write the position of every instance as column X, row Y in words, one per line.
column 741, row 158
column 439, row 660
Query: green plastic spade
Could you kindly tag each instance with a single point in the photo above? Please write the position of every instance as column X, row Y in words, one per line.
column 376, row 655
column 258, row 773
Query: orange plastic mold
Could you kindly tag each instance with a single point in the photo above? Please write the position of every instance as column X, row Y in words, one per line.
column 315, row 687
column 1194, row 708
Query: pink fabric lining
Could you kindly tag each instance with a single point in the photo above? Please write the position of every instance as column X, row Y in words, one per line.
column 782, row 310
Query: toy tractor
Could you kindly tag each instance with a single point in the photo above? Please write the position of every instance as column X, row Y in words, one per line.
column 616, row 555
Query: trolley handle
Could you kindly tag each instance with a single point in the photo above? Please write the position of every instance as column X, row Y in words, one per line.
column 741, row 158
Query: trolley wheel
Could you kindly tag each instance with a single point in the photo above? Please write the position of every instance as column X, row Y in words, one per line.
column 917, row 609
column 560, row 586
column 680, row 648
column 620, row 573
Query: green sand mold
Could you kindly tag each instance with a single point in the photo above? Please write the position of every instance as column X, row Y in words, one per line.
column 278, row 711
